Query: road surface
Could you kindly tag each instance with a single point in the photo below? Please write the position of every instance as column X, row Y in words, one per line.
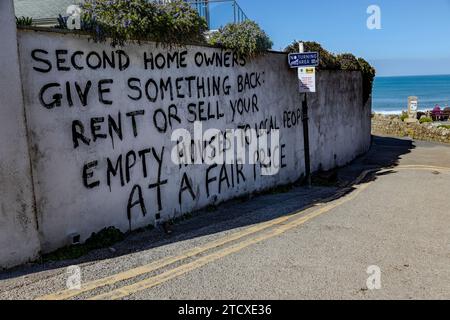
column 387, row 220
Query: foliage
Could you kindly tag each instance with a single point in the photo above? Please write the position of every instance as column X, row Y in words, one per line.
column 86, row 24
column 102, row 239
column 346, row 61
column 24, row 21
column 425, row 120
column 62, row 22
column 185, row 217
column 184, row 23
column 404, row 116
column 445, row 126
column 368, row 73
column 245, row 38
column 136, row 20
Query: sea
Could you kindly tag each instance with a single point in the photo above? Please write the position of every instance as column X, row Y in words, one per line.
column 390, row 94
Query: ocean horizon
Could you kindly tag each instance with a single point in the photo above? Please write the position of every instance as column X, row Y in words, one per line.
column 390, row 94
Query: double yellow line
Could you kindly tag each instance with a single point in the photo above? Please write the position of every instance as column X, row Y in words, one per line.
column 247, row 237
column 132, row 273
column 422, row 167
column 279, row 228
column 276, row 227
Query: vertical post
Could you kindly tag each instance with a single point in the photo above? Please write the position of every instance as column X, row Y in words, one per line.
column 305, row 119
column 306, row 130
column 301, row 47
column 19, row 240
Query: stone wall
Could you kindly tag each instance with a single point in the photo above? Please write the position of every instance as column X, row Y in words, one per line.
column 393, row 126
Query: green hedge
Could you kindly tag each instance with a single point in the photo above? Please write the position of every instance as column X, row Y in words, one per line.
column 246, row 38
column 345, row 61
column 404, row 116
column 24, row 21
column 369, row 73
column 171, row 23
column 348, row 62
column 425, row 120
column 134, row 20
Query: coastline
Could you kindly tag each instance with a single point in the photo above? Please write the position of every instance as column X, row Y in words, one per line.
column 393, row 125
column 395, row 112
column 390, row 94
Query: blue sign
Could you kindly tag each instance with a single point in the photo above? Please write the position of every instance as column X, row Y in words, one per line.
column 307, row 59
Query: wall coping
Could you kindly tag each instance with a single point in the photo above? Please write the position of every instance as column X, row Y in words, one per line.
column 88, row 35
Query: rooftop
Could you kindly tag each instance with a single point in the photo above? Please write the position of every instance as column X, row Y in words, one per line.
column 38, row 9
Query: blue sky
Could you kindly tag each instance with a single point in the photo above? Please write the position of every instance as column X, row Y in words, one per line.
column 414, row 39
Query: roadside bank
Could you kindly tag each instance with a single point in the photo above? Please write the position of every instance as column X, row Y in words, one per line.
column 392, row 125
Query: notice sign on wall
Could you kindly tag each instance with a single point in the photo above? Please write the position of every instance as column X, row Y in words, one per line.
column 307, row 77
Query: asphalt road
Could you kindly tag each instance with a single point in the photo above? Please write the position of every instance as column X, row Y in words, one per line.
column 390, row 210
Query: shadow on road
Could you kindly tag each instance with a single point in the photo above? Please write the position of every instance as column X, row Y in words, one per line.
column 384, row 153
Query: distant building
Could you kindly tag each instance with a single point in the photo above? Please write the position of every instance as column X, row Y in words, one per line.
column 219, row 12
column 45, row 12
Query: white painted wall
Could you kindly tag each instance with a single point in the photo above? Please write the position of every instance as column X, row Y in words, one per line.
column 340, row 130
column 340, row 126
column 18, row 233
column 66, row 206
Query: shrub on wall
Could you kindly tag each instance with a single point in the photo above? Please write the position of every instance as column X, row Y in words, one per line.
column 348, row 62
column 24, row 21
column 246, row 38
column 369, row 73
column 425, row 120
column 184, row 23
column 404, row 116
column 130, row 20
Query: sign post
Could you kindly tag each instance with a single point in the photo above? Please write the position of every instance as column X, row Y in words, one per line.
column 306, row 63
column 303, row 59
column 307, row 77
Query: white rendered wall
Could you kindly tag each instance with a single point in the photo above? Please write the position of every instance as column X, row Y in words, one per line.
column 72, row 190
column 19, row 241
